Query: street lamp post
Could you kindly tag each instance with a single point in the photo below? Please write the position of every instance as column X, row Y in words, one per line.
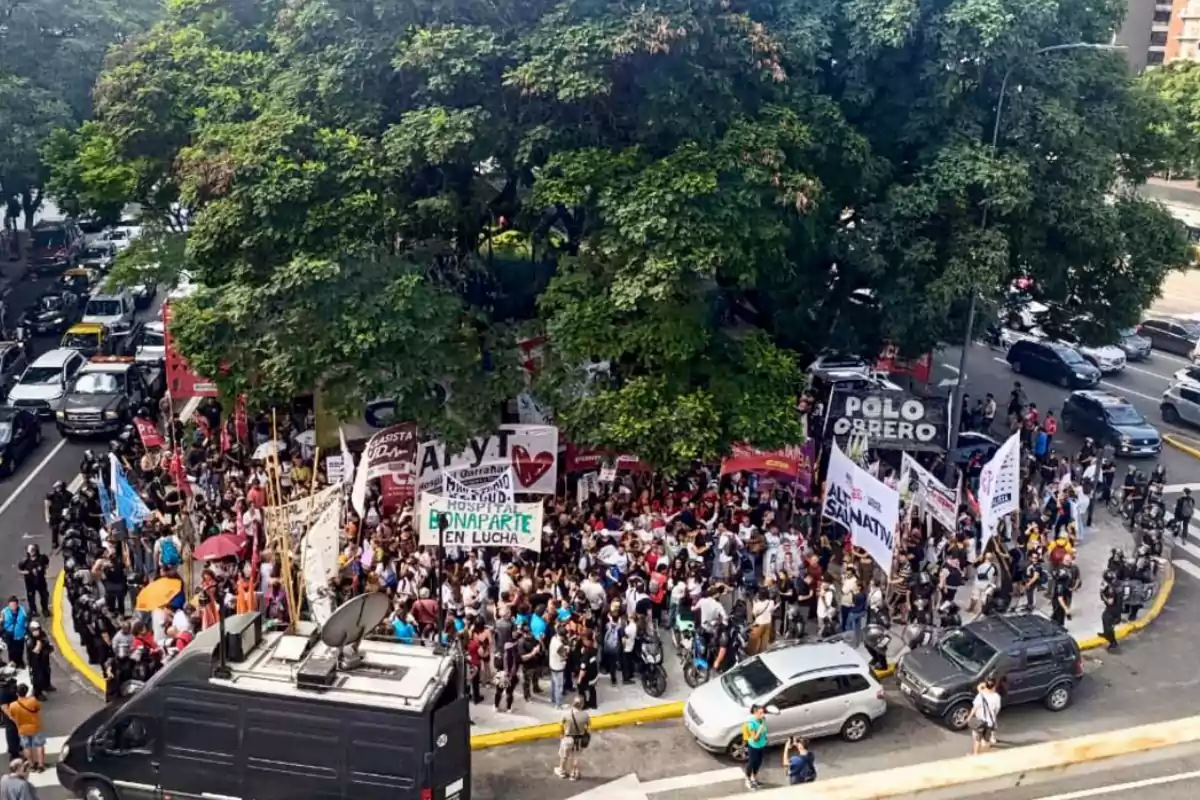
column 957, row 393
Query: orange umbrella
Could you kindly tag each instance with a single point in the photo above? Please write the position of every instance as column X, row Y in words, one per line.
column 159, row 593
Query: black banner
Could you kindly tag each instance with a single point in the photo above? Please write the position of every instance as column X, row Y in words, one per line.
column 890, row 420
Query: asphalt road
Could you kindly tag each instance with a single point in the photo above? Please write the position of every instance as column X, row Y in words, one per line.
column 1141, row 383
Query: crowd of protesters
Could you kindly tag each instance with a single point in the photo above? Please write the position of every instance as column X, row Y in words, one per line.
column 744, row 558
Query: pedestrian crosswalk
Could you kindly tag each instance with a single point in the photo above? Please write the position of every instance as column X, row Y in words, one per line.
column 1184, row 553
column 47, row 779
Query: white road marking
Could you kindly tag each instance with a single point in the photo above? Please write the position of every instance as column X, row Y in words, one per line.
column 681, row 782
column 1188, row 567
column 1177, row 488
column 1125, row 390
column 29, row 478
column 1124, row 787
column 1190, row 548
column 951, row 367
column 48, row 779
column 1163, row 378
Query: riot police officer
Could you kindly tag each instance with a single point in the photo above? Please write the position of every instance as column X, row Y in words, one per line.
column 1061, row 594
column 1111, row 598
column 878, row 634
column 33, row 569
column 57, row 500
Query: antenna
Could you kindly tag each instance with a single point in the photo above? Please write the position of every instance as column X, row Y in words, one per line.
column 351, row 622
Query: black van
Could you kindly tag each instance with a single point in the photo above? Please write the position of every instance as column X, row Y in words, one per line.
column 285, row 721
column 1053, row 362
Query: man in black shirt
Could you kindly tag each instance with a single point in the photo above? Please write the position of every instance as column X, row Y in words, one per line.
column 1112, row 611
column 57, row 500
column 33, row 569
column 1031, row 578
column 1184, row 508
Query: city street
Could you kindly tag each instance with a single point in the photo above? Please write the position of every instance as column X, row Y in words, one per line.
column 1150, row 679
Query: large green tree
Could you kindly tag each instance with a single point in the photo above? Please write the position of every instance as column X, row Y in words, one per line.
column 695, row 195
column 51, row 52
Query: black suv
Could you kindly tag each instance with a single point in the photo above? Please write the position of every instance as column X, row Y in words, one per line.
column 1054, row 362
column 1033, row 659
column 1111, row 420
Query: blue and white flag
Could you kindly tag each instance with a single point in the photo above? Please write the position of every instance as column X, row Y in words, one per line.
column 106, row 503
column 130, row 506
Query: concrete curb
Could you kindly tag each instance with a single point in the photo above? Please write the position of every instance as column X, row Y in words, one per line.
column 617, row 719
column 1177, row 443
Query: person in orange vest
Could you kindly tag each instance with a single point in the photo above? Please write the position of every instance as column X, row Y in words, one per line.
column 245, row 600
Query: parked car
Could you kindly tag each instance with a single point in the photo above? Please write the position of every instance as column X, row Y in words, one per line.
column 56, row 246
column 971, row 442
column 1181, row 403
column 1032, row 659
column 20, row 435
column 40, row 387
column 810, row 690
column 12, row 363
column 1136, row 346
column 1109, row 419
column 1172, row 335
column 1053, row 362
column 152, row 345
column 93, row 231
column 123, row 235
column 1108, row 358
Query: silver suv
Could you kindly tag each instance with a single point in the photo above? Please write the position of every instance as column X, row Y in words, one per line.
column 1181, row 403
column 809, row 690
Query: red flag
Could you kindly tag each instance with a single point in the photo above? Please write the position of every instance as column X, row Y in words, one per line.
column 202, row 424
column 241, row 425
column 225, row 442
column 148, row 433
column 178, row 473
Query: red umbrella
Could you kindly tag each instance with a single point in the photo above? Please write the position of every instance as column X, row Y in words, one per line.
column 223, row 545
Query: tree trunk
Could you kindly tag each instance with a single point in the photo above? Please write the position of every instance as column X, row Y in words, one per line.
column 31, row 201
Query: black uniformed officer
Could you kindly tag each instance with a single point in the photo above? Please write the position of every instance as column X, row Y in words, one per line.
column 57, row 500
column 33, row 569
column 1111, row 599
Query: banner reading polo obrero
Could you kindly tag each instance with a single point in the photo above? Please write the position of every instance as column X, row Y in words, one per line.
column 530, row 451
column 999, row 486
column 392, row 452
column 864, row 505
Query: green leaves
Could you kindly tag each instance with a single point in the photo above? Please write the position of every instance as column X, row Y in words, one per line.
column 687, row 200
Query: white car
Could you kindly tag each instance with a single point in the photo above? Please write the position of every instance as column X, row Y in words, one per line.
column 123, row 235
column 152, row 349
column 810, row 690
column 45, row 380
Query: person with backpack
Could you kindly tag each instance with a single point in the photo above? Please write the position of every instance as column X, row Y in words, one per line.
column 754, row 734
column 1184, row 508
column 576, row 736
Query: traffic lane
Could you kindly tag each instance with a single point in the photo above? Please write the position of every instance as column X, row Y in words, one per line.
column 1166, row 779
column 989, row 372
column 1152, row 678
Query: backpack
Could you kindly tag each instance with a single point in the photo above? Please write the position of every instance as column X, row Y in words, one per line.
column 169, row 554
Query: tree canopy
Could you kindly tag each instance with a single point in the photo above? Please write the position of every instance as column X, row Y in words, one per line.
column 699, row 194
column 51, row 52
column 1177, row 85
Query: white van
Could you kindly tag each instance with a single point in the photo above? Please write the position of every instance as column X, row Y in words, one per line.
column 114, row 310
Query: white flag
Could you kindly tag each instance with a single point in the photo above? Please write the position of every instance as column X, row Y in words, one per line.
column 869, row 509
column 347, row 459
column 1000, row 486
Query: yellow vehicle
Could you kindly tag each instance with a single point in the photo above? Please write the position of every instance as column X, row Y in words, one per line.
column 79, row 280
column 89, row 338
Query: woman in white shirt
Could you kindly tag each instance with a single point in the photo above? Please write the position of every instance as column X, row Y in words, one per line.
column 773, row 555
column 762, row 612
column 985, row 709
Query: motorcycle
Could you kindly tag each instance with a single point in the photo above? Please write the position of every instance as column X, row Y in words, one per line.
column 654, row 675
column 695, row 666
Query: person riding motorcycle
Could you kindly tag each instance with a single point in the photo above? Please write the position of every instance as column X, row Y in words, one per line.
column 1159, row 476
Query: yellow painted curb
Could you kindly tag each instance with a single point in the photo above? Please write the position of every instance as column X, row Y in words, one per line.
column 65, row 648
column 1178, row 444
column 553, row 730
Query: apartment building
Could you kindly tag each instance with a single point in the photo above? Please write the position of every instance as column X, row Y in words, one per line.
column 1157, row 32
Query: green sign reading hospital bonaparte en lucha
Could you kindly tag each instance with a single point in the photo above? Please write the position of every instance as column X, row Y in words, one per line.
column 481, row 524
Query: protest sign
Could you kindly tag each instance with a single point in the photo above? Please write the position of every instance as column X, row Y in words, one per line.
column 867, row 508
column 148, row 433
column 530, row 451
column 392, row 452
column 920, row 486
column 890, row 420
column 471, row 523
column 999, row 486
column 319, row 557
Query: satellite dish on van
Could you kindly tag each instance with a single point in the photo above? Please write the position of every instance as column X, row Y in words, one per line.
column 351, row 622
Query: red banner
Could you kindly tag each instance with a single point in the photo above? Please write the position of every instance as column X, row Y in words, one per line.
column 241, row 425
column 182, row 383
column 394, row 491
column 148, row 433
column 225, row 440
column 590, row 460
column 178, row 473
column 789, row 462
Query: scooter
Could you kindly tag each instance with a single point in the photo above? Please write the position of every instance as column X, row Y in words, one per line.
column 654, row 675
column 695, row 668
